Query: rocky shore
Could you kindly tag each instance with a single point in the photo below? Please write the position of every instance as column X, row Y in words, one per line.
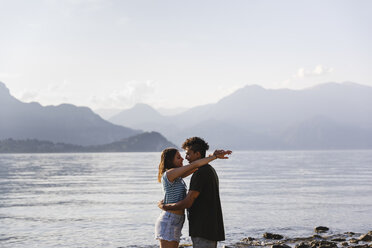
column 320, row 239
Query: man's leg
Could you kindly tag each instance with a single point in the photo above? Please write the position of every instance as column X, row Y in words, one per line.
column 198, row 242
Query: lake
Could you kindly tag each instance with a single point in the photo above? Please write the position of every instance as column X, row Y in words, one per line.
column 110, row 199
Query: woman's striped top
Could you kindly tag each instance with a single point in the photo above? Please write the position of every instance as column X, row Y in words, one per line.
column 174, row 191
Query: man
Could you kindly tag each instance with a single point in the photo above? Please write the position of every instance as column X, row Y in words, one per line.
column 203, row 200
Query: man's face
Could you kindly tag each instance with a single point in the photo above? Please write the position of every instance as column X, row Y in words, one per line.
column 191, row 156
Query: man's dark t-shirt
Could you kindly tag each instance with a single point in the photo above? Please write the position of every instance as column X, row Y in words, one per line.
column 205, row 214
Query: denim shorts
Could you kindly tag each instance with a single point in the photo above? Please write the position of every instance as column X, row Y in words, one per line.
column 169, row 226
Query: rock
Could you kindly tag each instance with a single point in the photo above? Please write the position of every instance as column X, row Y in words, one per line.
column 302, row 245
column 332, row 240
column 249, row 239
column 280, row 246
column 321, row 229
column 338, row 239
column 366, row 238
column 317, row 236
column 350, row 233
column 272, row 236
column 250, row 242
column 304, row 240
column 323, row 244
column 361, row 246
column 354, row 241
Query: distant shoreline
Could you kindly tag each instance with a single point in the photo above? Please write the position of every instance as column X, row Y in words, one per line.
column 81, row 151
column 144, row 142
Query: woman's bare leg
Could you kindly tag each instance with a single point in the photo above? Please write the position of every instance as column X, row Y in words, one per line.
column 168, row 244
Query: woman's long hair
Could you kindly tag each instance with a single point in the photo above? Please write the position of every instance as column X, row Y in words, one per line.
column 166, row 161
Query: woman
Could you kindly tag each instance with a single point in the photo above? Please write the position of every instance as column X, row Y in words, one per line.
column 171, row 171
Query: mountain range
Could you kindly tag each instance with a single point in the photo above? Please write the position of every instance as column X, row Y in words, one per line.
column 327, row 116
column 64, row 123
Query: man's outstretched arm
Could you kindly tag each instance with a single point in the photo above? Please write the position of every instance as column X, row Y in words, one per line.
column 185, row 203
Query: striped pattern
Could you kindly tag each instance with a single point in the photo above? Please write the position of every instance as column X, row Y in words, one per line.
column 175, row 191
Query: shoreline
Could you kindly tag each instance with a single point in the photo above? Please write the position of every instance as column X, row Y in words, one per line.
column 321, row 239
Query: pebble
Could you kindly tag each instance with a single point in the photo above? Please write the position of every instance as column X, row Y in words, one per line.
column 280, row 246
column 302, row 245
column 354, row 241
column 321, row 229
column 272, row 236
column 338, row 240
column 249, row 239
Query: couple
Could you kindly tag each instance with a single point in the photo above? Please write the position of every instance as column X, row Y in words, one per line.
column 202, row 200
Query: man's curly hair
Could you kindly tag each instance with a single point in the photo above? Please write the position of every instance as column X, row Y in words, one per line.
column 196, row 144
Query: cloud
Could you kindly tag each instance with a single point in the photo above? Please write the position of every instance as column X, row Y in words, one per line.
column 8, row 75
column 54, row 93
column 319, row 70
column 306, row 77
column 58, row 87
column 29, row 96
column 134, row 91
column 128, row 95
column 44, row 97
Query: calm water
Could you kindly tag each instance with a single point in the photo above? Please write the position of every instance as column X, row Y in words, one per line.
column 109, row 200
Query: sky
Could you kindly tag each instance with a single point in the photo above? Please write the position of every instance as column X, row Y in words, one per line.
column 170, row 54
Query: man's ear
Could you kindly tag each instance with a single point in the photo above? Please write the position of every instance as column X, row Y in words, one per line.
column 198, row 154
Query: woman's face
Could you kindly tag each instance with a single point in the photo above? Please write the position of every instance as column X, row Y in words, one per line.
column 178, row 160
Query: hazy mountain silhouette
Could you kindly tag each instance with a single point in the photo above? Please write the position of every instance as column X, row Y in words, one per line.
column 144, row 142
column 327, row 134
column 143, row 116
column 107, row 113
column 171, row 111
column 139, row 116
column 63, row 123
column 327, row 116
